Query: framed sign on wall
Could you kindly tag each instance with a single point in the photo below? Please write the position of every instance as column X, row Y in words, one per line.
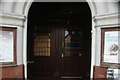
column 110, row 47
column 7, row 46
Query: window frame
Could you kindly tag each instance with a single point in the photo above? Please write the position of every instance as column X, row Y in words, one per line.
column 102, row 63
column 14, row 30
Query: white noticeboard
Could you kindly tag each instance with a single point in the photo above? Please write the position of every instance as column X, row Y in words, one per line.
column 6, row 46
column 111, row 47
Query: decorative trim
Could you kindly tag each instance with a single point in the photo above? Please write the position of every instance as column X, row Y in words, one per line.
column 10, row 25
column 107, row 20
column 12, row 19
column 108, row 25
column 106, row 16
column 7, row 25
column 12, row 15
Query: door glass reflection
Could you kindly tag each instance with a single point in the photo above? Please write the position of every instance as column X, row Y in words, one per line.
column 73, row 42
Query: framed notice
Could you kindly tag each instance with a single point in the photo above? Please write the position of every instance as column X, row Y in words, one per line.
column 7, row 46
column 110, row 47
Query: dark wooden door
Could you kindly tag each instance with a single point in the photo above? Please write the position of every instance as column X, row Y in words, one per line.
column 41, row 52
column 74, row 55
column 57, row 52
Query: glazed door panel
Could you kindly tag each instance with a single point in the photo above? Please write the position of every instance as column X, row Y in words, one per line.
column 41, row 56
column 58, row 52
column 74, row 60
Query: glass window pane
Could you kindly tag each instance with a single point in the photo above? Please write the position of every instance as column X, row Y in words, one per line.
column 73, row 42
column 42, row 45
column 6, row 46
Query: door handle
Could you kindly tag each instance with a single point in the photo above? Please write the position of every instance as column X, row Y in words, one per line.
column 62, row 55
column 63, row 45
column 30, row 62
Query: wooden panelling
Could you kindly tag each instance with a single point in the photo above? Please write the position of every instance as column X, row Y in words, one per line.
column 74, row 67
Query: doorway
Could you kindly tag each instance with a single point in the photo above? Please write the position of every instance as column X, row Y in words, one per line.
column 59, row 41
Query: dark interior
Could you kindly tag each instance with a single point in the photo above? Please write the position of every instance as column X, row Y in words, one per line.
column 55, row 17
column 45, row 13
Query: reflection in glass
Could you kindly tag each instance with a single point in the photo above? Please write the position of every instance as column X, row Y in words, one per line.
column 6, row 46
column 73, row 43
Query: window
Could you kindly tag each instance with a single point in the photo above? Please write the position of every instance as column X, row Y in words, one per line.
column 7, row 46
column 42, row 44
column 110, row 47
column 73, row 42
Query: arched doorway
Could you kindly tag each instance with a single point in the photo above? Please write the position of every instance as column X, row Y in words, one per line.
column 59, row 40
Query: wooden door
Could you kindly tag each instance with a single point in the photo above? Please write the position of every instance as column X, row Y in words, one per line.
column 41, row 52
column 57, row 53
column 74, row 55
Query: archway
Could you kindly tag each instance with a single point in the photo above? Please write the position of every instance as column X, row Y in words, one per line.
column 57, row 21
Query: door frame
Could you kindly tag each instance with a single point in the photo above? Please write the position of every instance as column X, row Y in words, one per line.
column 93, row 36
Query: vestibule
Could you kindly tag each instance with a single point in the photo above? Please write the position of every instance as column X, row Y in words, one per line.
column 59, row 40
column 63, row 30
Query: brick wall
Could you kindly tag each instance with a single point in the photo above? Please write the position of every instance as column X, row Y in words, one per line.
column 12, row 72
